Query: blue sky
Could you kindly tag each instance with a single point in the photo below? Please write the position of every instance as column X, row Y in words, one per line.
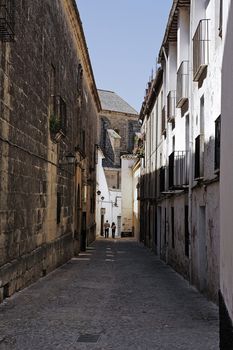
column 123, row 38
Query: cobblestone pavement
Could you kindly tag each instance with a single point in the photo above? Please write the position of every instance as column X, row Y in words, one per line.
column 116, row 295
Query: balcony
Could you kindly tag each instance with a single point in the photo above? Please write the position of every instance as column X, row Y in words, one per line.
column 201, row 49
column 178, row 169
column 182, row 92
column 171, row 106
column 7, row 20
column 164, row 121
column 199, row 157
column 162, row 179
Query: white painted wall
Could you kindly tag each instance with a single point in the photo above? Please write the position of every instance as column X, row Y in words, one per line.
column 183, row 36
column 127, row 163
column 226, row 188
column 111, row 211
column 203, row 195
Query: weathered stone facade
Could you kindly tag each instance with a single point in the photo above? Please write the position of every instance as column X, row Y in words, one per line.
column 46, row 70
column 116, row 115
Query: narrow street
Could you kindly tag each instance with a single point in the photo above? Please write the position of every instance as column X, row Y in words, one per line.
column 117, row 295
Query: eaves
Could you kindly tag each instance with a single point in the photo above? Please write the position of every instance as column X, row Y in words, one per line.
column 172, row 25
column 149, row 102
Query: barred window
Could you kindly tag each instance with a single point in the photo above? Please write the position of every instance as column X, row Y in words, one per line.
column 7, row 20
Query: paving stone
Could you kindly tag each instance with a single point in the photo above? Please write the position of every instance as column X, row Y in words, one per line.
column 130, row 302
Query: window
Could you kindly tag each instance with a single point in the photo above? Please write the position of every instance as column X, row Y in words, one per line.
column 63, row 115
column 80, row 78
column 201, row 42
column 162, row 179
column 60, row 113
column 217, row 144
column 202, row 115
column 182, row 92
column 199, row 152
column 220, row 18
column 199, row 143
column 7, row 20
column 52, row 88
column 163, row 121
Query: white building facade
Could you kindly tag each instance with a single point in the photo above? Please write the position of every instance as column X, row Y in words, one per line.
column 108, row 201
column 226, row 190
column 181, row 121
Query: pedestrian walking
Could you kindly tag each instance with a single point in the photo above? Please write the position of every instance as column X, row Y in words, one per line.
column 106, row 229
column 113, row 227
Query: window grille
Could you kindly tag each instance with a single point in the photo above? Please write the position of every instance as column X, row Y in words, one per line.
column 201, row 49
column 60, row 113
column 171, row 106
column 178, row 169
column 7, row 20
column 164, row 121
column 182, row 91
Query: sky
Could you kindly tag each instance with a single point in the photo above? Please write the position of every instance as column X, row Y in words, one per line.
column 123, row 39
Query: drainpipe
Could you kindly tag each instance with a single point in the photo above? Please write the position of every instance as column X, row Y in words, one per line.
column 191, row 116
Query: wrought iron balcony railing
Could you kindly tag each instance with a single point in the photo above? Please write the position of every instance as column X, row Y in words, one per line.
column 182, row 92
column 7, row 20
column 201, row 49
column 171, row 106
column 178, row 169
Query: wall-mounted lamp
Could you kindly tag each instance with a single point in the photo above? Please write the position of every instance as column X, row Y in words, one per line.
column 98, row 192
column 102, row 198
column 70, row 157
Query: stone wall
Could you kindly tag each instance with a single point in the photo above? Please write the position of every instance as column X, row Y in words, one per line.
column 43, row 61
column 126, row 126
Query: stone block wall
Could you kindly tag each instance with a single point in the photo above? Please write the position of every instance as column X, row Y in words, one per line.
column 33, row 167
column 126, row 126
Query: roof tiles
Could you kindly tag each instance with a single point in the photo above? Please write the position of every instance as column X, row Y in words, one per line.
column 110, row 101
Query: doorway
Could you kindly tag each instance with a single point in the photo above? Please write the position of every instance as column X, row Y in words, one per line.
column 102, row 225
column 83, row 233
